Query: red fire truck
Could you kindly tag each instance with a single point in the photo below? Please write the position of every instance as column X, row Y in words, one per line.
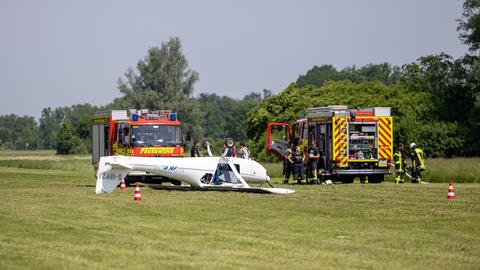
column 352, row 142
column 137, row 133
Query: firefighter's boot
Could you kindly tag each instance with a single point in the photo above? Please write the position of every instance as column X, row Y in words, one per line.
column 399, row 179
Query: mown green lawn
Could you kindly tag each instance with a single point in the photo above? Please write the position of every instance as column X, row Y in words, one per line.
column 439, row 170
column 51, row 218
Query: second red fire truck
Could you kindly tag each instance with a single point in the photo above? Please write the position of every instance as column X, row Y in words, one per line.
column 352, row 142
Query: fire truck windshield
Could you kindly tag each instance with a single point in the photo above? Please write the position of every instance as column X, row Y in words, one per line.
column 156, row 135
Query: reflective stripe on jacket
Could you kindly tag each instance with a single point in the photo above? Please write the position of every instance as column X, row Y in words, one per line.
column 399, row 161
column 419, row 158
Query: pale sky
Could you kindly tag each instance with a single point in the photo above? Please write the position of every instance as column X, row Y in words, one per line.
column 60, row 53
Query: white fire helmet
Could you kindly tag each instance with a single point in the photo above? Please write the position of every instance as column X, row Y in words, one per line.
column 412, row 145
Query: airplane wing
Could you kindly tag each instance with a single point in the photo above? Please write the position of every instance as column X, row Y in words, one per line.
column 260, row 190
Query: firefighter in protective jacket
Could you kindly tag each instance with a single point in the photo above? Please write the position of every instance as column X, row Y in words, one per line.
column 400, row 164
column 288, row 165
column 418, row 163
column 298, row 158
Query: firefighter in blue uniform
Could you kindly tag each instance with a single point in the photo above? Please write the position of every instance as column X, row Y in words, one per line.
column 288, row 164
column 298, row 157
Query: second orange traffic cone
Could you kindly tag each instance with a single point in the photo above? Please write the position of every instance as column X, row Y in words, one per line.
column 451, row 192
column 138, row 195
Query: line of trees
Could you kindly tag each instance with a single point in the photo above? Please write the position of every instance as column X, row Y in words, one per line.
column 18, row 132
column 435, row 100
column 68, row 130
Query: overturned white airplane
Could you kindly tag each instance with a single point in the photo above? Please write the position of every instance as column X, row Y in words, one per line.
column 203, row 173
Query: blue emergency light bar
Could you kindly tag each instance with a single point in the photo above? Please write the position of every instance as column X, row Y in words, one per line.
column 134, row 117
column 172, row 117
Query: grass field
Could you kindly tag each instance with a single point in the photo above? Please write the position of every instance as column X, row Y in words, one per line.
column 50, row 218
column 439, row 170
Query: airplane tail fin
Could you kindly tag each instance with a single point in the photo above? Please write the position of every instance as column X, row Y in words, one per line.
column 109, row 174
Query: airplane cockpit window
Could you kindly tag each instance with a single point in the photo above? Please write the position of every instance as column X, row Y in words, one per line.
column 224, row 174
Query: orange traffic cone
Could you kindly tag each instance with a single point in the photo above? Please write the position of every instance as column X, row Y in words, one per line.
column 451, row 192
column 122, row 184
column 138, row 195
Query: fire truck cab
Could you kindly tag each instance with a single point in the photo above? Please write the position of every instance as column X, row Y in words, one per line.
column 137, row 133
column 351, row 142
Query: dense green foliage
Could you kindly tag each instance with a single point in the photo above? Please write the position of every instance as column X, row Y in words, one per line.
column 18, row 132
column 372, row 72
column 78, row 115
column 435, row 100
column 162, row 80
column 225, row 117
column 412, row 111
column 50, row 122
column 435, row 103
column 24, row 132
column 469, row 25
column 453, row 85
column 67, row 142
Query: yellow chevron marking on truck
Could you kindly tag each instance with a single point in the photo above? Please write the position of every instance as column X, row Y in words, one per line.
column 385, row 142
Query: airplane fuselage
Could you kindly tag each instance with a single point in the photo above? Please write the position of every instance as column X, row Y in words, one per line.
column 189, row 169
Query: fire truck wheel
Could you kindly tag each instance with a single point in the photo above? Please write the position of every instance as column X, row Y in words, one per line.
column 375, row 178
column 347, row 179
